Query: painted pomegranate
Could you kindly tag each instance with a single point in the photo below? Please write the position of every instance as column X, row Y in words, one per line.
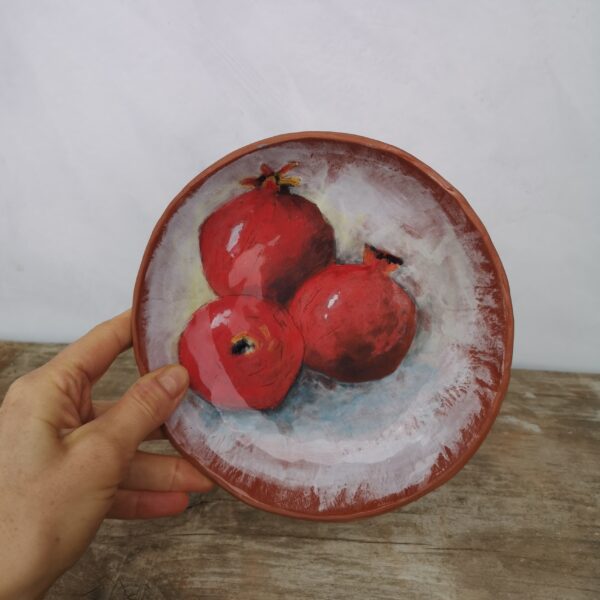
column 267, row 241
column 357, row 323
column 241, row 352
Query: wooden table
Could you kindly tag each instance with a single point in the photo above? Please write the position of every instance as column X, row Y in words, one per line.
column 521, row 520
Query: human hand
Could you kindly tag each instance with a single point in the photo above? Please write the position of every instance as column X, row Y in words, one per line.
column 63, row 468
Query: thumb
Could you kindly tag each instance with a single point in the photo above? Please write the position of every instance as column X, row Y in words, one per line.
column 145, row 406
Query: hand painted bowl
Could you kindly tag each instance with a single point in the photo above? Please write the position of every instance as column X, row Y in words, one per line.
column 332, row 450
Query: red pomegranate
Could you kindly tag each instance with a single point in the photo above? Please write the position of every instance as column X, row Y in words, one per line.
column 241, row 352
column 267, row 241
column 357, row 323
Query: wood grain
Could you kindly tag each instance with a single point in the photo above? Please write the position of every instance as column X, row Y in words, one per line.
column 521, row 520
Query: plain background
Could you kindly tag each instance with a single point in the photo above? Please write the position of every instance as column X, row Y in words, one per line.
column 108, row 108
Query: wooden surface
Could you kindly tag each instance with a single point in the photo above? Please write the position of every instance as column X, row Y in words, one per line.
column 521, row 520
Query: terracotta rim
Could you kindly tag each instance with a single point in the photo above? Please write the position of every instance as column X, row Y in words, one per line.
column 482, row 431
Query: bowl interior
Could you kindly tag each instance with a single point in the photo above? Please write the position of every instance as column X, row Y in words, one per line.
column 334, row 449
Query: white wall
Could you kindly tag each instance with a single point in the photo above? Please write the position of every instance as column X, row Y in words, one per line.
column 108, row 108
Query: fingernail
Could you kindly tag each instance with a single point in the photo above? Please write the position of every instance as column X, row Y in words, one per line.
column 174, row 380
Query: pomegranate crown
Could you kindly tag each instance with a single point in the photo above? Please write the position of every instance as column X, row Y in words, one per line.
column 274, row 180
column 381, row 259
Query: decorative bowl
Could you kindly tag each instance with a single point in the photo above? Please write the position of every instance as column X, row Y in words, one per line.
column 334, row 450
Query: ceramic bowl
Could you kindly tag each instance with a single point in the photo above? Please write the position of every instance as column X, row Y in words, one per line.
column 333, row 450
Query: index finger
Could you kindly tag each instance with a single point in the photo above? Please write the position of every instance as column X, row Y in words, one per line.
column 96, row 350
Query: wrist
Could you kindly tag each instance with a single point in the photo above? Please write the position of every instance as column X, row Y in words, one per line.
column 20, row 586
column 25, row 564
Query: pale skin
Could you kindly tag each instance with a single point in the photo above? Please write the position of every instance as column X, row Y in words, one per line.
column 66, row 464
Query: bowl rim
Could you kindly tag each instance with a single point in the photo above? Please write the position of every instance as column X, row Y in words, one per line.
column 445, row 474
